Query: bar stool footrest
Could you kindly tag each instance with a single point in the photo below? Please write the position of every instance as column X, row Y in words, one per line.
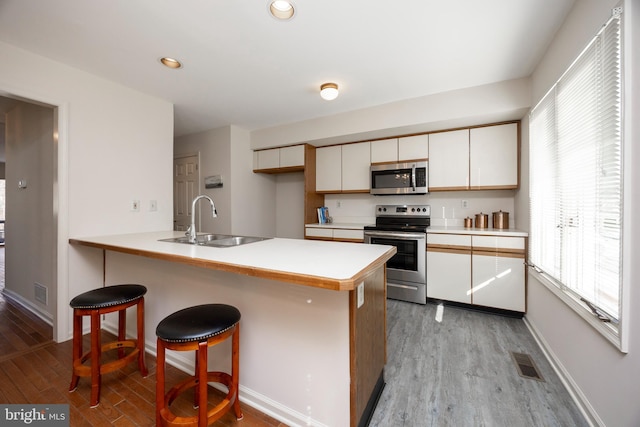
column 82, row 370
column 169, row 419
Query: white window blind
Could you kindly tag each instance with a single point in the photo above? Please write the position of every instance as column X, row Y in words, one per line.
column 576, row 178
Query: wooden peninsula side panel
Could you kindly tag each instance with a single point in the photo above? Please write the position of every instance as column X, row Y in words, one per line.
column 368, row 345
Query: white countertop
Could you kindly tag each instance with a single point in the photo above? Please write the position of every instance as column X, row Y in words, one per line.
column 511, row 232
column 332, row 265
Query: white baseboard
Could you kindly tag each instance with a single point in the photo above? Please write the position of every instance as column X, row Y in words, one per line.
column 29, row 305
column 574, row 391
column 247, row 396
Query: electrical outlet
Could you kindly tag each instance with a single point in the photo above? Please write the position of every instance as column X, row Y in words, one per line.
column 360, row 292
column 135, row 206
column 153, row 205
column 464, row 204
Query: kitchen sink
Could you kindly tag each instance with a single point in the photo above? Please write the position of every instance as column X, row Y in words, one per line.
column 217, row 240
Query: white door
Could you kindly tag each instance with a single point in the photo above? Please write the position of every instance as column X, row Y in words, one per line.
column 186, row 179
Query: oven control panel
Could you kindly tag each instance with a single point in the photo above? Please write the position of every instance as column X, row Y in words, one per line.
column 403, row 210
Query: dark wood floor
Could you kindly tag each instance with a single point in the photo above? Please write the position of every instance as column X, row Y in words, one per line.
column 34, row 369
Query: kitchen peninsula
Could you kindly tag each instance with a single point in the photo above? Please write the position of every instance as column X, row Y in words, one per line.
column 311, row 351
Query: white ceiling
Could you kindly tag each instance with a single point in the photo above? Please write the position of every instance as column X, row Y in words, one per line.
column 243, row 67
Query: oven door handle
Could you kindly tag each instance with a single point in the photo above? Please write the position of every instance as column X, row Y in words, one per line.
column 390, row 234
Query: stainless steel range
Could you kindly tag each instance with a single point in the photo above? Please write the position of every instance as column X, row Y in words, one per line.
column 405, row 227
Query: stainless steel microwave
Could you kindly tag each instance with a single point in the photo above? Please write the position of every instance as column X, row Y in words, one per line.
column 400, row 178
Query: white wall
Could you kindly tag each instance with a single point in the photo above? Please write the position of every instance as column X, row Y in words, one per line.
column 605, row 377
column 290, row 205
column 246, row 201
column 254, row 194
column 508, row 100
column 114, row 144
column 214, row 149
column 446, row 207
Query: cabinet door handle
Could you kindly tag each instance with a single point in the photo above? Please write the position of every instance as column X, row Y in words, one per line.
column 413, row 176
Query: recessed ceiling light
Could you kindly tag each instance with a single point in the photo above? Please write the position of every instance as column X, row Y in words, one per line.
column 281, row 9
column 329, row 91
column 170, row 62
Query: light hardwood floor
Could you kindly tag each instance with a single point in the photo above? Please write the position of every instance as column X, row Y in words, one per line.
column 460, row 372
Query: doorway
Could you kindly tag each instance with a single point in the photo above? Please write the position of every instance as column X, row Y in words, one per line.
column 186, row 185
column 29, row 160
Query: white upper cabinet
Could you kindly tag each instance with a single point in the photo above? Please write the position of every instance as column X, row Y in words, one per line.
column 279, row 158
column 292, row 156
column 356, row 160
column 413, row 148
column 266, row 159
column 449, row 160
column 329, row 169
column 493, row 157
column 385, row 150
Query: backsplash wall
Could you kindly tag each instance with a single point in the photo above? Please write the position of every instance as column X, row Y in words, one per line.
column 446, row 207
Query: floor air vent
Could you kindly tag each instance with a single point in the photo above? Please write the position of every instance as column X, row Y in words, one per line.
column 526, row 367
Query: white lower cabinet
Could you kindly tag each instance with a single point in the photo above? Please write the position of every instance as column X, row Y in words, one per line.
column 480, row 270
column 498, row 272
column 449, row 267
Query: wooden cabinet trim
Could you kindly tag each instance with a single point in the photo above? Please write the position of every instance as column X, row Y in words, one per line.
column 501, row 252
column 280, row 170
column 449, row 249
column 433, row 189
column 493, row 187
column 400, row 161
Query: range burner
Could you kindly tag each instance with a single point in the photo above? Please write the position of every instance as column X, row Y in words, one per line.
column 411, row 218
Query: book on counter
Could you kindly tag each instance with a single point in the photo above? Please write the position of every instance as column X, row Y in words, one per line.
column 323, row 214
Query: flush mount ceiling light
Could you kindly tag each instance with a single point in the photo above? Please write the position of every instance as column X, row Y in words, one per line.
column 281, row 9
column 329, row 91
column 170, row 62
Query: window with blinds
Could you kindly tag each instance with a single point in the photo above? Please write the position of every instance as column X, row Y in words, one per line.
column 576, row 178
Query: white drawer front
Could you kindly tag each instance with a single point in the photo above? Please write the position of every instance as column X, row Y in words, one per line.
column 340, row 233
column 448, row 239
column 319, row 232
column 498, row 242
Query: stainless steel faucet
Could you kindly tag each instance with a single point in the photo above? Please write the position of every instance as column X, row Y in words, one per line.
column 191, row 231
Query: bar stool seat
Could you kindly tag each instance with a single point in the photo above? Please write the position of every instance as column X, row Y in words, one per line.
column 196, row 329
column 95, row 303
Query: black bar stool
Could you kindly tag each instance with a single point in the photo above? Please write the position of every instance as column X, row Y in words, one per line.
column 197, row 328
column 95, row 303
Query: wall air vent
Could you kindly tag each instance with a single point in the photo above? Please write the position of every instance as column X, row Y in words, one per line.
column 40, row 292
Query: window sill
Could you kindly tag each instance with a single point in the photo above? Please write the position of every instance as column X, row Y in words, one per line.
column 608, row 330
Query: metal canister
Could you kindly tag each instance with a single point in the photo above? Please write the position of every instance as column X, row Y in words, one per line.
column 501, row 220
column 468, row 222
column 482, row 220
